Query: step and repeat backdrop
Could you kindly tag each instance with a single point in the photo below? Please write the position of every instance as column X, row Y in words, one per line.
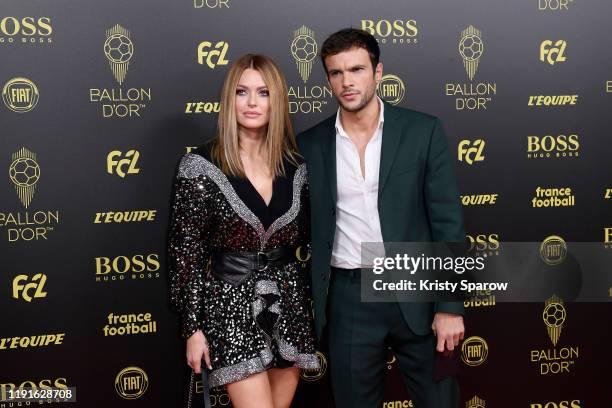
column 101, row 98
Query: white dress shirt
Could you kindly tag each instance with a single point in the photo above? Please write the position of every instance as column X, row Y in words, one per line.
column 357, row 218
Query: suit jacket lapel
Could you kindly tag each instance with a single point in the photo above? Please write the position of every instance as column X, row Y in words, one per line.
column 328, row 150
column 390, row 141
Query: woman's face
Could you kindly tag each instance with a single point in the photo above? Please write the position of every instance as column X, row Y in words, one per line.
column 252, row 101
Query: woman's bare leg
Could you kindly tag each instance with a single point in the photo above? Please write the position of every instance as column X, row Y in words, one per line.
column 252, row 392
column 283, row 382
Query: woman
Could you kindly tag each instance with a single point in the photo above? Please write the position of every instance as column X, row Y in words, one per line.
column 241, row 203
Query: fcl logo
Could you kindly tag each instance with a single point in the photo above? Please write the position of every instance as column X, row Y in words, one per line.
column 37, row 285
column 131, row 158
column 215, row 55
column 552, row 53
column 471, row 152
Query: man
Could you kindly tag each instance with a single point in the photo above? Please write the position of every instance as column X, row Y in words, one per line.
column 377, row 173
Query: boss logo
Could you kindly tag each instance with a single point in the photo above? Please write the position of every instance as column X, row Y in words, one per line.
column 26, row 26
column 561, row 143
column 387, row 28
column 123, row 264
column 560, row 404
column 483, row 242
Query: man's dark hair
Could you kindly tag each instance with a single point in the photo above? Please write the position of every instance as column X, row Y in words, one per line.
column 348, row 38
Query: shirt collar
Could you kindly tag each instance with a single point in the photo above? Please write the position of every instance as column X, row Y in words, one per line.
column 381, row 119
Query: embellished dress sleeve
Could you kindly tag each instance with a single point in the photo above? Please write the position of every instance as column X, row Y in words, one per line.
column 305, row 211
column 304, row 226
column 188, row 244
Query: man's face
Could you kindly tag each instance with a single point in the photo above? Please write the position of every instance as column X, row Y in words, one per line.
column 352, row 78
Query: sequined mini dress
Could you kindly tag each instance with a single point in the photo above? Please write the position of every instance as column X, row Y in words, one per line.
column 265, row 321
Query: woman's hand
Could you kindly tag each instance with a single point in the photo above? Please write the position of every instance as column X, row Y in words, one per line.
column 197, row 348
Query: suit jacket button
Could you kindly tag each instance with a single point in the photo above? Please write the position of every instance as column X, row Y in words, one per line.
column 333, row 212
column 329, row 245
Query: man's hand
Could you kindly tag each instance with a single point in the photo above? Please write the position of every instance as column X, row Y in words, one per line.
column 449, row 330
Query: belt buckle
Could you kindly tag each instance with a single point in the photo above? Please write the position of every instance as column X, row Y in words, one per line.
column 261, row 254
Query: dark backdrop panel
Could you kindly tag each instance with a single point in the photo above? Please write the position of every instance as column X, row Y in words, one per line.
column 64, row 275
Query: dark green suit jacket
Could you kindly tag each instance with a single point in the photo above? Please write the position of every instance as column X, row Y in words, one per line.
column 418, row 199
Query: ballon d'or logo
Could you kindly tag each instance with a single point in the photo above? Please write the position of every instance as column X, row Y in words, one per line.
column 471, row 48
column 119, row 50
column 304, row 50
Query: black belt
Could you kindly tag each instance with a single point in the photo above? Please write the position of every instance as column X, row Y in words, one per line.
column 353, row 273
column 236, row 267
